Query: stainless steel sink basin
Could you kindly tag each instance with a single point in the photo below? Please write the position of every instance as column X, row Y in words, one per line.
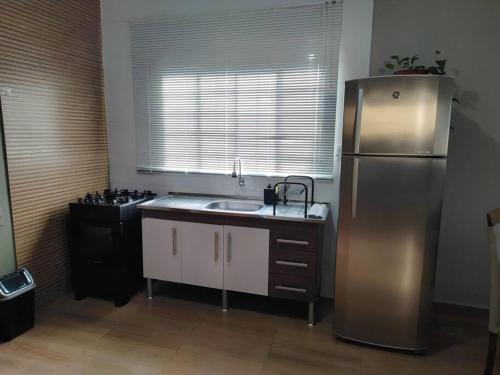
column 234, row 206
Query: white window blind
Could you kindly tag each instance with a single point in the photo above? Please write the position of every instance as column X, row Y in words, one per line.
column 258, row 85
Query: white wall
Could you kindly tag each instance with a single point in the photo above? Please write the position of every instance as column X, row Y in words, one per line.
column 468, row 33
column 354, row 63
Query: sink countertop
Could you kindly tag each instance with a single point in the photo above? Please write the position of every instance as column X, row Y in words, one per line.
column 293, row 211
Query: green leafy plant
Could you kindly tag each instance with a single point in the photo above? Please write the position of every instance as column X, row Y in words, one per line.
column 440, row 66
column 403, row 63
column 406, row 63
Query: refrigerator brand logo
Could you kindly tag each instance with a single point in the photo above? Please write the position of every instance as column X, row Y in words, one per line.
column 395, row 94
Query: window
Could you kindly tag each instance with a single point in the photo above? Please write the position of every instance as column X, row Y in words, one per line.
column 257, row 85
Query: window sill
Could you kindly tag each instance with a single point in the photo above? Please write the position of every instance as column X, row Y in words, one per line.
column 176, row 173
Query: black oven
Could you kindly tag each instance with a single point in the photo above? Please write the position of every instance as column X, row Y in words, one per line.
column 106, row 249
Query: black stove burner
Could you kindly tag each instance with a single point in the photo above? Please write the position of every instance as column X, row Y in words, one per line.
column 114, row 197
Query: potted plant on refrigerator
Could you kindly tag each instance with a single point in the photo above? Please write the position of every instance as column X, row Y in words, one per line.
column 407, row 65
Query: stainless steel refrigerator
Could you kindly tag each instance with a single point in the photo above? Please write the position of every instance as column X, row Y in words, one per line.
column 394, row 147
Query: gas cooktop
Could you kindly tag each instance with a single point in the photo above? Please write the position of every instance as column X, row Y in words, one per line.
column 115, row 197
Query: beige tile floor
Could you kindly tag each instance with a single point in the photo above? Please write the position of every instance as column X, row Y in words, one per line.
column 176, row 335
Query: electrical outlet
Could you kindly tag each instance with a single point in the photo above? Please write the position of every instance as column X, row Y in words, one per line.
column 5, row 91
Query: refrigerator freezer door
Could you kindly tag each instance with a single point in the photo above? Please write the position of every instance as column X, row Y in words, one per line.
column 386, row 247
column 399, row 115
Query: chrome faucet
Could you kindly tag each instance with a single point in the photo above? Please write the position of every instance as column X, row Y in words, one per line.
column 241, row 180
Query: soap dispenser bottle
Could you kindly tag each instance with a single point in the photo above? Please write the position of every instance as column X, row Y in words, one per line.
column 269, row 195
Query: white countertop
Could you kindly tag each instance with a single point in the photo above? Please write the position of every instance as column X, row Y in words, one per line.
column 194, row 203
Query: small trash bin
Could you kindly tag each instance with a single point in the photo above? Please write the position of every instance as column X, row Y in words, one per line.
column 17, row 304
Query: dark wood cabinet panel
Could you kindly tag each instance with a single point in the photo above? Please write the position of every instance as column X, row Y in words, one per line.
column 292, row 287
column 292, row 262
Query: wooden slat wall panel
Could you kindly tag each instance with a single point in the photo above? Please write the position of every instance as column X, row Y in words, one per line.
column 54, row 123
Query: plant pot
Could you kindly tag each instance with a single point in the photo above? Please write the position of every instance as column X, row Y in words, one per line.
column 411, row 71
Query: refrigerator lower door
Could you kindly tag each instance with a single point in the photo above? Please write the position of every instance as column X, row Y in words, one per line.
column 386, row 249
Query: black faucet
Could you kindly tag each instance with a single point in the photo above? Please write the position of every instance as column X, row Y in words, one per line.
column 297, row 177
column 275, row 198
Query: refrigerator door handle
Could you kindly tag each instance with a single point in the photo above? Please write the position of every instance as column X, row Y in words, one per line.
column 354, row 195
column 357, row 121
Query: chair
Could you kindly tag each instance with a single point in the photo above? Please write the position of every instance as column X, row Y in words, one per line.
column 494, row 321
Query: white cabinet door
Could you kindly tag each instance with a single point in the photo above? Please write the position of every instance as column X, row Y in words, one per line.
column 246, row 261
column 161, row 248
column 202, row 254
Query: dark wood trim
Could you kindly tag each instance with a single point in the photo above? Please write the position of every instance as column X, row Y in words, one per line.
column 243, row 221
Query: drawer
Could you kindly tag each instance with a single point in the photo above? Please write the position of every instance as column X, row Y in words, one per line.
column 90, row 268
column 292, row 262
column 300, row 240
column 291, row 287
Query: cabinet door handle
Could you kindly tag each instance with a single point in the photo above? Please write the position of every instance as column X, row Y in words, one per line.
column 290, row 289
column 292, row 264
column 216, row 246
column 174, row 241
column 228, row 247
column 294, row 242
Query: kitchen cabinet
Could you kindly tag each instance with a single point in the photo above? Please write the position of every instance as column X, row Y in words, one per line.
column 213, row 256
column 246, row 261
column 161, row 244
column 202, row 254
column 294, row 263
column 277, row 258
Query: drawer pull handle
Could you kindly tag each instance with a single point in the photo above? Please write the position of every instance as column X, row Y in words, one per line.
column 228, row 255
column 291, row 264
column 290, row 289
column 216, row 246
column 174, row 241
column 295, row 242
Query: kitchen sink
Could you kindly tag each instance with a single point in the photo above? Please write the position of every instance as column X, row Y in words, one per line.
column 234, row 206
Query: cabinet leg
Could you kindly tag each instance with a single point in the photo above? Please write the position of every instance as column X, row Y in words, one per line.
column 150, row 288
column 310, row 316
column 224, row 300
column 492, row 348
